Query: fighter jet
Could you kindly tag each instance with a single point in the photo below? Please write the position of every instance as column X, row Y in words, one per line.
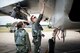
column 63, row 13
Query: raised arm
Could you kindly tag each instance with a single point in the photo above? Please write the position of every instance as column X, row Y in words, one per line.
column 41, row 13
column 43, row 7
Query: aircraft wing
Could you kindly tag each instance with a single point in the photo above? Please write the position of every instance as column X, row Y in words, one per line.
column 36, row 5
column 32, row 6
column 6, row 6
column 6, row 10
column 4, row 3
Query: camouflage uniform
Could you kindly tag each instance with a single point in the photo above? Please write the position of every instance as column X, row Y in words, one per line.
column 22, row 41
column 36, row 33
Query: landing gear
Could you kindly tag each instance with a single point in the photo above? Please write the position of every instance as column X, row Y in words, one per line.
column 63, row 35
column 57, row 31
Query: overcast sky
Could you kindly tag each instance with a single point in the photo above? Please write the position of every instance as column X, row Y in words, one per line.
column 7, row 19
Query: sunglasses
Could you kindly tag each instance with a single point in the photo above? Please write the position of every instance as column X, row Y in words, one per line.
column 33, row 17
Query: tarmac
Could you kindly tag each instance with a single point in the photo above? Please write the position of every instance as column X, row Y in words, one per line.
column 71, row 44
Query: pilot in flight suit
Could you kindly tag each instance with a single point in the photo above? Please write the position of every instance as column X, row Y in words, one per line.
column 36, row 31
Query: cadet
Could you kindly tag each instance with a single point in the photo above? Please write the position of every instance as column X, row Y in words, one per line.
column 22, row 39
column 36, row 31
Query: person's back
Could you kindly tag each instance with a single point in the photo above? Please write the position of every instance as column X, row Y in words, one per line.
column 20, row 36
column 22, row 39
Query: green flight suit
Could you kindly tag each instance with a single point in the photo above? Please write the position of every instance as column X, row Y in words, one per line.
column 36, row 33
column 22, row 41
